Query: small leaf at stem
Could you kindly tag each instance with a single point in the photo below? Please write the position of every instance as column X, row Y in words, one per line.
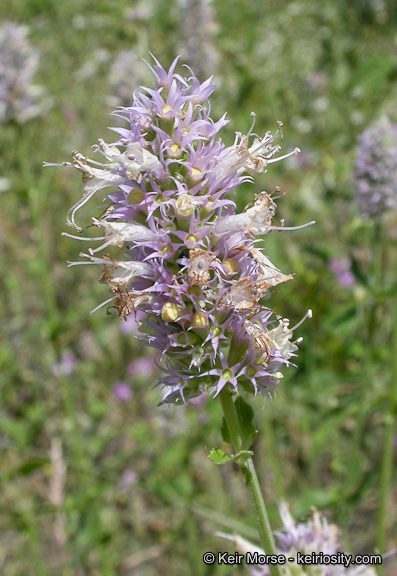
column 218, row 456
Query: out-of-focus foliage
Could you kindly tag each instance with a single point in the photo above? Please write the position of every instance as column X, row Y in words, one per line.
column 95, row 481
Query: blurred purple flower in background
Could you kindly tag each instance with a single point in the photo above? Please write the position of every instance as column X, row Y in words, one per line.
column 142, row 367
column 20, row 100
column 189, row 262
column 65, row 365
column 317, row 81
column 341, row 268
column 122, row 391
column 375, row 170
column 128, row 479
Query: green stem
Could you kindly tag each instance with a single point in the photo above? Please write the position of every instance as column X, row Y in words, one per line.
column 385, row 482
column 250, row 480
column 386, row 471
column 368, row 379
column 233, row 424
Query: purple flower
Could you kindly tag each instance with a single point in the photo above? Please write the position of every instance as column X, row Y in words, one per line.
column 375, row 169
column 20, row 100
column 173, row 247
column 341, row 268
column 122, row 391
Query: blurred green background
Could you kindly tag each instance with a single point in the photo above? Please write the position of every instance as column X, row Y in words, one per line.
column 99, row 482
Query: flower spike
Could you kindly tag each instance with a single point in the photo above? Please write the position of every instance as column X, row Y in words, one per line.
column 177, row 251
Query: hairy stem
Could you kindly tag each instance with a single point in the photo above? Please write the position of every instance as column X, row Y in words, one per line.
column 250, row 480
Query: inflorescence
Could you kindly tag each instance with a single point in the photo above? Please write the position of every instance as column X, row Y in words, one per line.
column 375, row 170
column 188, row 261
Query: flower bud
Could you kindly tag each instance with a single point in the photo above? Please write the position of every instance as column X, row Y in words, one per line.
column 184, row 205
column 230, row 265
column 227, row 374
column 193, row 176
column 199, row 320
column 191, row 238
column 170, row 312
column 195, row 172
column 175, row 150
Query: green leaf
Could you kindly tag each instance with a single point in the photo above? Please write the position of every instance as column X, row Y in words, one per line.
column 245, row 415
column 218, row 456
